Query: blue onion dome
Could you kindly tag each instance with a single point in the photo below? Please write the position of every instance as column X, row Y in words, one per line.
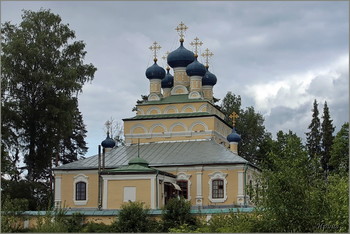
column 209, row 78
column 108, row 142
column 155, row 71
column 234, row 136
column 180, row 57
column 195, row 68
column 139, row 161
column 168, row 81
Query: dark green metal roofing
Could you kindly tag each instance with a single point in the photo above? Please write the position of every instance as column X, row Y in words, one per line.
column 181, row 98
column 169, row 116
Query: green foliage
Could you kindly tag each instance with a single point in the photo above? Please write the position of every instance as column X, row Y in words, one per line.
column 337, row 197
column 92, row 227
column 339, row 160
column 52, row 221
column 292, row 194
column 133, row 217
column 42, row 74
column 327, row 130
column 11, row 216
column 177, row 212
column 313, row 137
column 250, row 125
column 35, row 192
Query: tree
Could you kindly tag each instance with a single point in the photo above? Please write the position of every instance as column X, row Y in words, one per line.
column 313, row 137
column 230, row 103
column 250, row 125
column 339, row 155
column 43, row 72
column 291, row 197
column 327, row 130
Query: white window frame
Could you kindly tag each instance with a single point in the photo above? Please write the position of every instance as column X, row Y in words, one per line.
column 185, row 177
column 128, row 192
column 77, row 179
column 215, row 176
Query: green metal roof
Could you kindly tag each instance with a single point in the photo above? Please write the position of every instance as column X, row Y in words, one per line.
column 173, row 99
column 168, row 116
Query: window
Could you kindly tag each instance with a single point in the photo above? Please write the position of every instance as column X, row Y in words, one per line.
column 129, row 194
column 184, row 188
column 218, row 188
column 80, row 191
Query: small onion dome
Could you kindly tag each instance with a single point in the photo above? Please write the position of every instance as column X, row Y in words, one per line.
column 155, row 71
column 195, row 69
column 209, row 78
column 139, row 161
column 108, row 142
column 180, row 57
column 168, row 80
column 234, row 137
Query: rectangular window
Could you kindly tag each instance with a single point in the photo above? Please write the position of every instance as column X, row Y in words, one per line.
column 129, row 194
column 184, row 188
column 218, row 189
column 80, row 191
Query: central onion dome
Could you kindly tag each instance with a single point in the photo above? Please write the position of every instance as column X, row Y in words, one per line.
column 195, row 68
column 168, row 80
column 108, row 142
column 209, row 78
column 234, row 136
column 180, row 57
column 155, row 71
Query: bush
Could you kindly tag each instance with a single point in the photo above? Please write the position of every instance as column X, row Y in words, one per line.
column 176, row 213
column 133, row 217
column 92, row 227
column 11, row 217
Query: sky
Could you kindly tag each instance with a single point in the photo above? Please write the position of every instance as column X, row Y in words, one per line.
column 278, row 56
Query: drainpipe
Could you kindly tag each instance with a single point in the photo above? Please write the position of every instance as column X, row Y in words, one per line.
column 99, row 178
column 157, row 189
column 245, row 183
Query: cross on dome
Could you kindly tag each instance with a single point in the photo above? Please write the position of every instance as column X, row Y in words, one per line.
column 196, row 43
column 181, row 28
column 207, row 54
column 234, row 116
column 154, row 48
column 165, row 56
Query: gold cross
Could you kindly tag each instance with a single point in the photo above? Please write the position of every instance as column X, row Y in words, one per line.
column 181, row 28
column 207, row 55
column 196, row 43
column 165, row 56
column 154, row 48
column 234, row 116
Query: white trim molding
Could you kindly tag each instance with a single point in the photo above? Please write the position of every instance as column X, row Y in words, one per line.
column 157, row 125
column 178, row 124
column 186, row 177
column 168, row 108
column 132, row 129
column 77, row 179
column 188, row 106
column 152, row 109
column 214, row 176
column 199, row 123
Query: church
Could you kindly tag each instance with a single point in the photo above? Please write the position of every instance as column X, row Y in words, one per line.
column 177, row 144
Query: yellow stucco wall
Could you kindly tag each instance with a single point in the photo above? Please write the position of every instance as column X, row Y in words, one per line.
column 67, row 190
column 116, row 192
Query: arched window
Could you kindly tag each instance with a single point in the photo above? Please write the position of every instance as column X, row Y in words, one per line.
column 80, row 191
column 184, row 188
column 217, row 188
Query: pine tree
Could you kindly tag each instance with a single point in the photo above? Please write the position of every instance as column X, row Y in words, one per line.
column 327, row 130
column 313, row 138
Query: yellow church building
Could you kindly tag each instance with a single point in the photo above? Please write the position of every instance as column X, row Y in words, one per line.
column 178, row 144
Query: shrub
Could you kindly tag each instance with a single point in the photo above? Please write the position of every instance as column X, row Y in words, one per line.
column 177, row 212
column 133, row 217
column 92, row 227
column 11, row 217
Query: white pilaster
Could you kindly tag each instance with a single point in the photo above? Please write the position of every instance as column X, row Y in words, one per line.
column 199, row 196
column 105, row 194
column 240, row 195
column 58, row 198
column 153, row 194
